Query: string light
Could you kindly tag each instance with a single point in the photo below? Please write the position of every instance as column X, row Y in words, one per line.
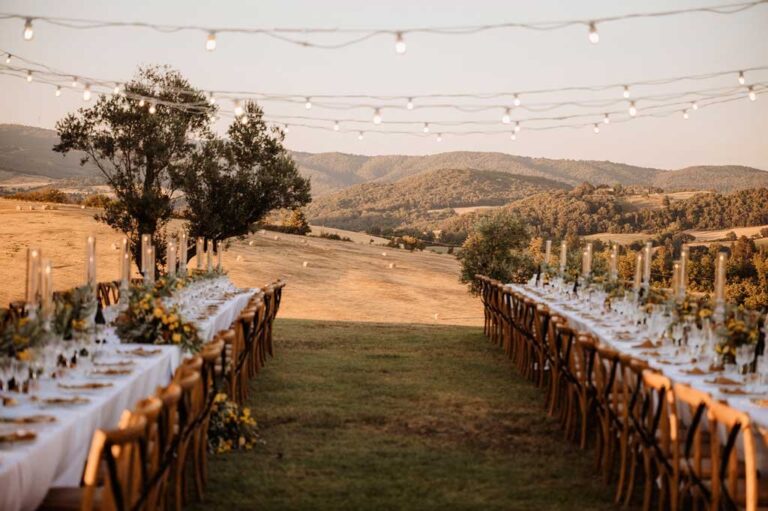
column 426, row 127
column 286, row 129
column 238, row 108
column 116, row 90
column 125, row 106
column 513, row 136
column 506, row 118
column 308, row 104
column 694, row 106
column 75, row 82
column 8, row 58
column 58, row 91
column 409, row 105
column 29, row 76
column 244, row 120
column 626, row 91
column 596, row 128
column 87, row 92
column 336, row 126
column 141, row 103
column 517, row 126
column 516, row 101
column 594, row 37
column 439, row 137
column 210, row 43
column 742, row 80
column 211, row 98
column 152, row 108
column 685, row 114
column 377, row 116
column 29, row 32
column 752, row 95
column 360, row 136
column 632, row 109
column 606, row 119
column 213, row 118
column 399, row 44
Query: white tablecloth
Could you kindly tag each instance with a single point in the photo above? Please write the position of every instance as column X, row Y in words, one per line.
column 57, row 457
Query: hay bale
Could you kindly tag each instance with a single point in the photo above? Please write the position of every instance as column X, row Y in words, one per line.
column 383, row 254
column 82, row 207
column 18, row 208
column 436, row 316
column 114, row 246
column 239, row 258
column 392, row 266
column 305, row 264
column 250, row 243
column 277, row 238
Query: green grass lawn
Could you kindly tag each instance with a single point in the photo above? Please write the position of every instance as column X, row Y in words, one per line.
column 382, row 416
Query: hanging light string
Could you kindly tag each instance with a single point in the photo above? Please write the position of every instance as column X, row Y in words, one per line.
column 353, row 36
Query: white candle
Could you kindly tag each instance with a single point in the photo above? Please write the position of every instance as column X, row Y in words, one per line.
column 149, row 256
column 183, row 253
column 219, row 255
column 90, row 262
column 587, row 263
column 584, row 263
column 675, row 276
column 720, row 279
column 547, row 252
column 171, row 257
column 563, row 256
column 146, row 241
column 210, row 256
column 638, row 271
column 612, row 271
column 47, row 288
column 199, row 252
column 647, row 264
column 683, row 281
column 125, row 263
column 33, row 275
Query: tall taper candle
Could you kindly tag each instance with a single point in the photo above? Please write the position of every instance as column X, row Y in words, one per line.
column 47, row 288
column 125, row 263
column 171, row 257
column 33, row 275
column 638, row 271
column 588, row 252
column 675, row 278
column 563, row 255
column 90, row 262
column 200, row 252
column 683, row 281
column 584, row 263
column 146, row 241
column 219, row 255
column 183, row 253
column 612, row 270
column 720, row 279
column 547, row 252
column 149, row 272
column 647, row 252
column 210, row 256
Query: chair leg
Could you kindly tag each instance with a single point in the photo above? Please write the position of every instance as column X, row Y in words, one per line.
column 623, row 446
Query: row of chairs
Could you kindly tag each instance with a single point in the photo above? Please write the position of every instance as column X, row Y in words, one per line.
column 694, row 451
column 160, row 447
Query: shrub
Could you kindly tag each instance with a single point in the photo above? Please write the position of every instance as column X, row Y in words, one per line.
column 45, row 195
column 96, row 200
column 333, row 236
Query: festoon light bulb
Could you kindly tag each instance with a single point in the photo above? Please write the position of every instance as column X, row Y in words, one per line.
column 210, row 42
column 439, row 137
column 399, row 44
column 58, row 91
column 594, row 37
column 360, row 136
column 742, row 80
column 507, row 117
column 308, row 103
column 516, row 101
column 116, row 90
column 752, row 95
column 409, row 105
column 695, row 106
column 29, row 32
column 152, row 108
column 244, row 120
column 377, row 116
column 513, row 136
column 8, row 58
column 336, row 126
column 596, row 128
column 626, row 91
column 75, row 82
column 238, row 108
column 426, row 127
column 142, row 103
column 685, row 114
column 29, row 76
column 606, row 119
column 211, row 98
column 87, row 92
column 286, row 129
column 517, row 126
column 632, row 109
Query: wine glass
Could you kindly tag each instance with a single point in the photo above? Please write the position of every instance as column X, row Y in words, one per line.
column 745, row 354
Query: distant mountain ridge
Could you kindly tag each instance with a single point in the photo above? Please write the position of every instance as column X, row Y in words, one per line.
column 26, row 150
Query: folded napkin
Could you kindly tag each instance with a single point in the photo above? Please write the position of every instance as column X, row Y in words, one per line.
column 723, row 380
column 653, row 353
column 21, row 435
column 736, row 392
column 74, row 400
column 141, row 352
column 30, row 419
column 111, row 372
column 8, row 401
column 88, row 386
column 645, row 344
column 762, row 403
column 696, row 371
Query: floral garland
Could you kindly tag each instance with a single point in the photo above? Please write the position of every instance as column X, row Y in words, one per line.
column 740, row 328
column 231, row 427
column 73, row 311
column 17, row 335
column 147, row 320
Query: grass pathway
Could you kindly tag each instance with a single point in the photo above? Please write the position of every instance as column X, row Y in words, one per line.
column 382, row 416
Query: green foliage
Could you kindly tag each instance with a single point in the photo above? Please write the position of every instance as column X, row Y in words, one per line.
column 18, row 334
column 138, row 152
column 72, row 311
column 497, row 249
column 407, row 242
column 232, row 183
column 231, row 427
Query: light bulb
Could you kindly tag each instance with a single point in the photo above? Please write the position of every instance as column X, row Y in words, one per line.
column 506, row 119
column 244, row 120
column 29, row 32
column 513, row 136
column 409, row 105
column 632, row 109
column 58, row 91
column 286, row 129
column 238, row 108
column 152, row 108
column 606, row 119
column 360, row 136
column 29, row 76
column 125, row 106
column 377, row 116
column 211, row 98
column 439, row 137
column 695, row 105
column 213, row 118
column 517, row 127
column 594, row 37
column 308, row 104
column 116, row 90
column 336, row 126
column 75, row 82
column 516, row 100
column 742, row 80
column 426, row 127
column 596, row 128
column 399, row 44
column 685, row 114
column 87, row 92
column 210, row 43
column 626, row 91
column 141, row 102
column 752, row 95
column 8, row 58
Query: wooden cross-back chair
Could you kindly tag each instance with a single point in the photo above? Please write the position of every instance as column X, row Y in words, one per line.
column 610, row 403
column 695, row 458
column 187, row 376
column 108, row 293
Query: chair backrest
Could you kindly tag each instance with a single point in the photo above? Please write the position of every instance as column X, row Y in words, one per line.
column 737, row 427
column 660, row 416
column 191, row 402
column 169, row 417
column 693, row 403
column 607, row 372
column 120, row 452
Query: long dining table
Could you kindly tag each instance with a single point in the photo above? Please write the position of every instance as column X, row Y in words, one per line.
column 625, row 337
column 56, row 457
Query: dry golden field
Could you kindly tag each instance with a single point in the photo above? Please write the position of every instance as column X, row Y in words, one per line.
column 341, row 281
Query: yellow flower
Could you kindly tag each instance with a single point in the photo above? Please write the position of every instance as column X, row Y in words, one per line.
column 158, row 312
column 23, row 355
column 176, row 338
column 23, row 321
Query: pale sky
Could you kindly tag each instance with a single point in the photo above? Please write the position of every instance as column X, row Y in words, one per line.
column 509, row 60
